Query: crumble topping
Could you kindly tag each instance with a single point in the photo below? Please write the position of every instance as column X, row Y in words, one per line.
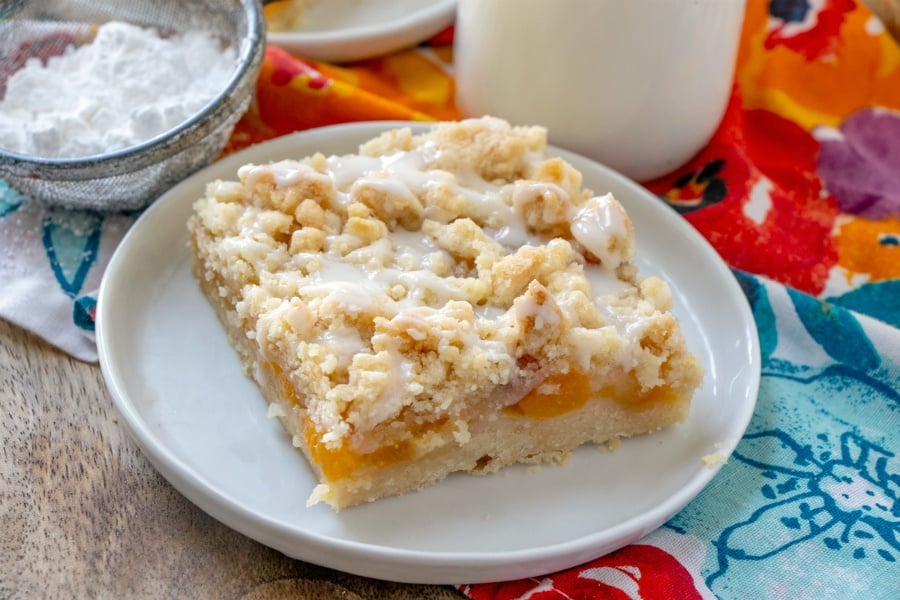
column 403, row 287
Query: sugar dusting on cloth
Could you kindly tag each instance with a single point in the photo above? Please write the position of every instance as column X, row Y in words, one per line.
column 125, row 87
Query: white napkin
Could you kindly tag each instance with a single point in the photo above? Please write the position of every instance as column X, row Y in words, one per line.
column 52, row 263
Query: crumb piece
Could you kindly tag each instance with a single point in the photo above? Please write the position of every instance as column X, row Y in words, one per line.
column 274, row 411
column 713, row 460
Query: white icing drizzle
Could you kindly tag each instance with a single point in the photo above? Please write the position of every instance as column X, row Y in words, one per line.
column 414, row 260
column 603, row 282
column 345, row 170
column 342, row 342
column 600, row 225
column 543, row 315
column 526, row 192
column 397, row 190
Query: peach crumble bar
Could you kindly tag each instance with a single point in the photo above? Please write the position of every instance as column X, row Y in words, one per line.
column 439, row 302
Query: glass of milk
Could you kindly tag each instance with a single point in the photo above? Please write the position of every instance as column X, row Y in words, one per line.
column 638, row 85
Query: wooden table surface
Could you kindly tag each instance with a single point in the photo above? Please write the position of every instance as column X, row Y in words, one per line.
column 85, row 515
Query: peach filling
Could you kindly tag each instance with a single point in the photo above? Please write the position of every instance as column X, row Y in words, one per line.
column 556, row 395
column 561, row 393
column 626, row 390
column 341, row 462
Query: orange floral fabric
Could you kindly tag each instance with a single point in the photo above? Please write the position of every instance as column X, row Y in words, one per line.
column 802, row 181
column 294, row 93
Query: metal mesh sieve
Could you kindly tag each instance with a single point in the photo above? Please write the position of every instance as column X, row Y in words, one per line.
column 132, row 177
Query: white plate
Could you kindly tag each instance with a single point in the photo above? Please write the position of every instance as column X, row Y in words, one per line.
column 346, row 30
column 181, row 393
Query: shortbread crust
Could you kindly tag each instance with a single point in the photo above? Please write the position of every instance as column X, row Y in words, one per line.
column 447, row 301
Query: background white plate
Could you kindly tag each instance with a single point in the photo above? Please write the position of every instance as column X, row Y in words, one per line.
column 346, row 30
column 180, row 390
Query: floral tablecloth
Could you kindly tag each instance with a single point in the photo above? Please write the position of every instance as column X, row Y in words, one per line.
column 799, row 191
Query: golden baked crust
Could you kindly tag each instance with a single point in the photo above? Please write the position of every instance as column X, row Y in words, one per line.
column 446, row 301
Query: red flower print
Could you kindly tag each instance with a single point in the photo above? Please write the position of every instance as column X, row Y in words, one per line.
column 287, row 67
column 781, row 226
column 636, row 571
column 754, row 193
column 807, row 27
column 696, row 190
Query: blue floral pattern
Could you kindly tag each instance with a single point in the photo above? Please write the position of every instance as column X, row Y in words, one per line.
column 816, row 479
column 69, row 242
column 846, row 500
column 10, row 199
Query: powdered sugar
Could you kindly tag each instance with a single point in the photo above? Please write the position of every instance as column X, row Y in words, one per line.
column 126, row 87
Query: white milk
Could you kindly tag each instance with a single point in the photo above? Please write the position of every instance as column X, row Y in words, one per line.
column 639, row 85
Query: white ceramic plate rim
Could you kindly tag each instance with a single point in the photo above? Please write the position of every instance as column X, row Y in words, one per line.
column 361, row 42
column 393, row 562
